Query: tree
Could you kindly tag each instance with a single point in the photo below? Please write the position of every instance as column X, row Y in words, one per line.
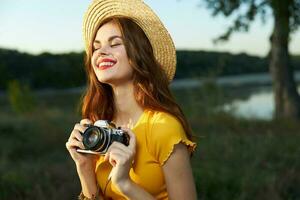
column 20, row 97
column 286, row 16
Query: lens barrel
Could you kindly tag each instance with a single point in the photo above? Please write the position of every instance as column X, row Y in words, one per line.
column 95, row 139
column 98, row 139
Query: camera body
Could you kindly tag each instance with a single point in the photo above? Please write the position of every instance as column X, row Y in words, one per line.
column 97, row 138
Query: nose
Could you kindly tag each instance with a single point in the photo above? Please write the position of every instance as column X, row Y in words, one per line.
column 103, row 51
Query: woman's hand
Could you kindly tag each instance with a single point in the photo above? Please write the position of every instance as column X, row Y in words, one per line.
column 85, row 163
column 75, row 142
column 121, row 158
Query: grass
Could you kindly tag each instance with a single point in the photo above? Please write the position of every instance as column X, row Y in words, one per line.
column 247, row 160
column 236, row 159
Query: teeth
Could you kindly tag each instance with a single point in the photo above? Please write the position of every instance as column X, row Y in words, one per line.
column 106, row 64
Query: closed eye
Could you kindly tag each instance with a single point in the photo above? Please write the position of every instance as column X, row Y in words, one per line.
column 95, row 47
column 114, row 45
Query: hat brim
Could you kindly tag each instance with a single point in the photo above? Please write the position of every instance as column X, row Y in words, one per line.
column 161, row 41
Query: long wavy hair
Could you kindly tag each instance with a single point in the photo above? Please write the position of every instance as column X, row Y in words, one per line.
column 151, row 86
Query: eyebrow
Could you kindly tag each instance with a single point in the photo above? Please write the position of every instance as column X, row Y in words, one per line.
column 109, row 39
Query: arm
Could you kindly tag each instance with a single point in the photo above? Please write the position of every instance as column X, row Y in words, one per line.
column 120, row 157
column 133, row 191
column 178, row 167
column 88, row 180
column 85, row 164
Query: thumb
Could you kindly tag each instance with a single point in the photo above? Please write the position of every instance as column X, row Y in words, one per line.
column 86, row 122
column 132, row 140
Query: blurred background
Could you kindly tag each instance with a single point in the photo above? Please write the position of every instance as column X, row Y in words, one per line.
column 237, row 80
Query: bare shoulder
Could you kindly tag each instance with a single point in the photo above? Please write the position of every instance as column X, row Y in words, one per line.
column 176, row 168
column 179, row 157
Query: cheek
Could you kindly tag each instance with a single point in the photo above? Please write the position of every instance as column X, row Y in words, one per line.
column 93, row 65
column 93, row 59
column 126, row 71
column 124, row 60
column 125, row 66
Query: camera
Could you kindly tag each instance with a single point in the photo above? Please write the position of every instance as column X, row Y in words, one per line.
column 98, row 137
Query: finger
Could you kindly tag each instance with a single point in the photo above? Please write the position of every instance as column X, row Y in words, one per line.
column 86, row 122
column 116, row 158
column 115, row 149
column 76, row 155
column 120, row 151
column 112, row 172
column 71, row 144
column 106, row 156
column 81, row 128
column 74, row 144
column 120, row 146
column 132, row 141
column 76, row 135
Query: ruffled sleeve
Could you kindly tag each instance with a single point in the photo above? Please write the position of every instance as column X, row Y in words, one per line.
column 166, row 131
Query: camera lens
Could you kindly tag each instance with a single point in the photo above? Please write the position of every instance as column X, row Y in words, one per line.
column 94, row 139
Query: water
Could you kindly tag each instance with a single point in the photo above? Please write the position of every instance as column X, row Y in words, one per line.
column 248, row 102
column 236, row 80
column 259, row 104
column 259, row 101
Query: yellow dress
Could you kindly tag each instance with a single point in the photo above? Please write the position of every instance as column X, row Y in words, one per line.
column 156, row 134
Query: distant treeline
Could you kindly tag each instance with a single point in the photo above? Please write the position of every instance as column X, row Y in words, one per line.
column 48, row 70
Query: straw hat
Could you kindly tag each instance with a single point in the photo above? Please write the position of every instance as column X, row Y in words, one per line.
column 161, row 41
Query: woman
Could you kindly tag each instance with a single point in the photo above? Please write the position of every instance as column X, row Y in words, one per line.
column 130, row 60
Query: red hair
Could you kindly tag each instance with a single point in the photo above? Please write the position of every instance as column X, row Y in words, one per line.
column 151, row 86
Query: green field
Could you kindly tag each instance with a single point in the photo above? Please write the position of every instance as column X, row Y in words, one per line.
column 236, row 159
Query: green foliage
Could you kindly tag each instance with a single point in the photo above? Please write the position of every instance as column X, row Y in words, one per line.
column 43, row 71
column 245, row 11
column 203, row 101
column 196, row 64
column 20, row 97
column 5, row 75
column 34, row 163
column 247, row 159
column 66, row 70
column 235, row 159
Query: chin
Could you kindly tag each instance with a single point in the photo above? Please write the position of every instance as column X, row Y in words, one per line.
column 105, row 80
column 114, row 79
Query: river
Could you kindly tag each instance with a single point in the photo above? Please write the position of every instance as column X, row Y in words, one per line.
column 253, row 97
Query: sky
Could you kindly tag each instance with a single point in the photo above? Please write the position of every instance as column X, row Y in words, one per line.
column 37, row 26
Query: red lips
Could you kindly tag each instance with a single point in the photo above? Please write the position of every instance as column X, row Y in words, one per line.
column 106, row 63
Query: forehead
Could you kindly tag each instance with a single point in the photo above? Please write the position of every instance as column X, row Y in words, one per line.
column 107, row 30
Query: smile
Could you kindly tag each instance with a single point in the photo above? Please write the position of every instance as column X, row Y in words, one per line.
column 106, row 63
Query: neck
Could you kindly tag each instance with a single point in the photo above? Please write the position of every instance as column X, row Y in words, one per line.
column 127, row 109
